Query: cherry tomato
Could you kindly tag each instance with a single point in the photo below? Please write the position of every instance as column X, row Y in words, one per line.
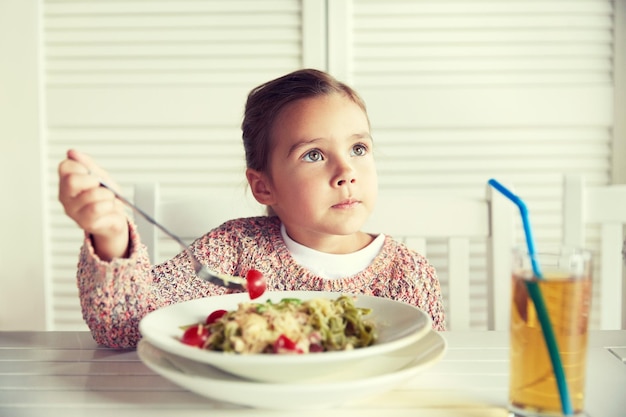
column 285, row 345
column 215, row 316
column 195, row 336
column 255, row 283
column 316, row 347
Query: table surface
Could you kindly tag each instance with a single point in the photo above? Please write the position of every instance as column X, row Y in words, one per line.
column 66, row 374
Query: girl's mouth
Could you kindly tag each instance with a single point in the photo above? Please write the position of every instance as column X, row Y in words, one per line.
column 347, row 204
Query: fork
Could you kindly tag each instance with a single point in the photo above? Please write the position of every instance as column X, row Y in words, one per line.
column 202, row 272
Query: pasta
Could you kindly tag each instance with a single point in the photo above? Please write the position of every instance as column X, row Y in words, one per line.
column 292, row 326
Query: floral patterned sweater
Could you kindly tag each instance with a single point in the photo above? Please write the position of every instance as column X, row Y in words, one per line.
column 116, row 295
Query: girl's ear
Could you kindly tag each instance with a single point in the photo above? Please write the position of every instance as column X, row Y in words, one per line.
column 260, row 186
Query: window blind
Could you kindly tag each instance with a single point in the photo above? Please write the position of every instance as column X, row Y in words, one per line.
column 457, row 92
column 154, row 91
column 462, row 91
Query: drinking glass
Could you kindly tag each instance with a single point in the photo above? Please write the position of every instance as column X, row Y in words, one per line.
column 566, row 289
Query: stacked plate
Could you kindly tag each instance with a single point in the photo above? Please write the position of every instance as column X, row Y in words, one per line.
column 406, row 345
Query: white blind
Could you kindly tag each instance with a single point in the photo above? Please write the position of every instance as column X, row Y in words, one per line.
column 154, row 91
column 461, row 91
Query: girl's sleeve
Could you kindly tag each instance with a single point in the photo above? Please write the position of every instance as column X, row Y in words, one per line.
column 430, row 294
column 419, row 286
column 115, row 295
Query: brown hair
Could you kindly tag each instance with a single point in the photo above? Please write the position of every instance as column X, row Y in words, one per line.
column 267, row 100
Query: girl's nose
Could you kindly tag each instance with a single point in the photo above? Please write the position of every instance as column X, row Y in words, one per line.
column 345, row 181
column 345, row 174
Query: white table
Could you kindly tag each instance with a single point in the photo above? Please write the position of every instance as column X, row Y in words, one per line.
column 66, row 374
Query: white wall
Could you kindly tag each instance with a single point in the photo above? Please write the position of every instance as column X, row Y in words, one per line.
column 21, row 223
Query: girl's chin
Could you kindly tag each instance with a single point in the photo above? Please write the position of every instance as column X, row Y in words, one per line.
column 349, row 227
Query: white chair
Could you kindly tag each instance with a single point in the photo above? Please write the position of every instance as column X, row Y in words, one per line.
column 414, row 219
column 605, row 206
column 189, row 217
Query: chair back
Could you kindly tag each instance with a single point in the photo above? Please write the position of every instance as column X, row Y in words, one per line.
column 604, row 206
column 188, row 217
column 457, row 221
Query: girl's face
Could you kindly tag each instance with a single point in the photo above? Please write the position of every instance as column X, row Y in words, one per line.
column 322, row 180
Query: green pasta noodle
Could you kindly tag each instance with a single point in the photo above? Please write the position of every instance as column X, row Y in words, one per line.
column 293, row 326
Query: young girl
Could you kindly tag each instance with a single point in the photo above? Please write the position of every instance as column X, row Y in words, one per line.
column 309, row 157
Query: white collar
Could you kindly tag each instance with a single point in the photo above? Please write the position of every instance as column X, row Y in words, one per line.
column 331, row 265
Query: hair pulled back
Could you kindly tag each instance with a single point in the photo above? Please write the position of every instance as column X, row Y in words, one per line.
column 266, row 101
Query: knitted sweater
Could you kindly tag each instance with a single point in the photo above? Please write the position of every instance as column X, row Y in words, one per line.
column 116, row 295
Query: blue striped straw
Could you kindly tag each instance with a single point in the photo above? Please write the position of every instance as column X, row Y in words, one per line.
column 538, row 301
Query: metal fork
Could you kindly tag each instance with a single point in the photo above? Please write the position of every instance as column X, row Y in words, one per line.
column 202, row 272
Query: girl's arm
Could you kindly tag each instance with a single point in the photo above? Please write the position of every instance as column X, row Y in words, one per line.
column 423, row 289
column 430, row 298
column 114, row 295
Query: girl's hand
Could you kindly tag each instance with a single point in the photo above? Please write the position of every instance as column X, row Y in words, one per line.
column 94, row 208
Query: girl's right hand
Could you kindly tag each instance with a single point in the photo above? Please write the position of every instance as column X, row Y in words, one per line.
column 94, row 208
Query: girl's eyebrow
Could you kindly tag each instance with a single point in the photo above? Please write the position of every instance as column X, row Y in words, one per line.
column 364, row 135
column 304, row 143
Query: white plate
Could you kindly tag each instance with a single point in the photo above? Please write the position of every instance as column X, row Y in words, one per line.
column 210, row 382
column 398, row 325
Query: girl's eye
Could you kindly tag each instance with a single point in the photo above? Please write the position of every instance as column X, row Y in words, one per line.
column 313, row 156
column 359, row 149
